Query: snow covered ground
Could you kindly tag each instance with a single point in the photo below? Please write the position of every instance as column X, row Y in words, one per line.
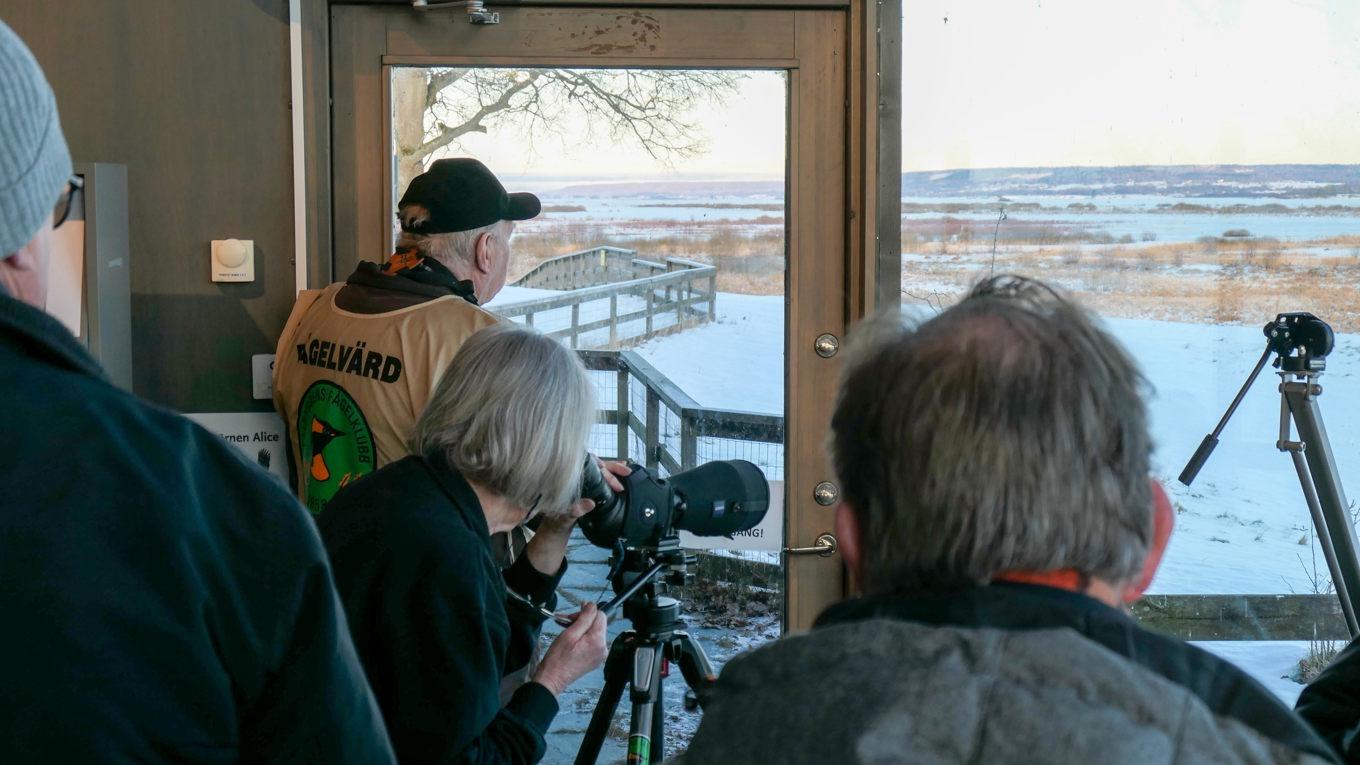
column 1270, row 663
column 736, row 362
column 1243, row 526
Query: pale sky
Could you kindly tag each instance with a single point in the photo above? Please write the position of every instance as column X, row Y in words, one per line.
column 745, row 138
column 1051, row 83
column 1100, row 82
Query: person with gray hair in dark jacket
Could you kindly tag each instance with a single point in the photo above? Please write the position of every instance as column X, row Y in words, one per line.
column 164, row 599
column 997, row 515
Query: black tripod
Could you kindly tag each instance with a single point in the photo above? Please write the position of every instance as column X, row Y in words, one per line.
column 1301, row 342
column 639, row 658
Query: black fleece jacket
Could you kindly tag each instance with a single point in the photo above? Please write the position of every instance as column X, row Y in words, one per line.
column 164, row 599
column 1331, row 703
column 426, row 604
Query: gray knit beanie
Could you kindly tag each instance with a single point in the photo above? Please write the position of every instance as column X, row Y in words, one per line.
column 34, row 160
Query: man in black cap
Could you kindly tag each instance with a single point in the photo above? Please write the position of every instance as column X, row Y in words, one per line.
column 358, row 360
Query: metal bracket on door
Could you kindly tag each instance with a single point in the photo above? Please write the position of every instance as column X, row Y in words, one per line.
column 476, row 10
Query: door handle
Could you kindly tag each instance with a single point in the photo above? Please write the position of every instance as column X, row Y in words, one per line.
column 825, row 546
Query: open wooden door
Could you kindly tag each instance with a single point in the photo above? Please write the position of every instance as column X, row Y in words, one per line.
column 771, row 307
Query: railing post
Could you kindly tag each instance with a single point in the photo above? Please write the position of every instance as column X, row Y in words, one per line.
column 689, row 441
column 651, row 294
column 575, row 322
column 652, row 440
column 625, row 413
column 529, row 319
column 613, row 319
column 713, row 295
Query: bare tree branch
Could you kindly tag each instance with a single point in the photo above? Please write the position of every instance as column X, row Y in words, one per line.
column 446, row 135
column 648, row 108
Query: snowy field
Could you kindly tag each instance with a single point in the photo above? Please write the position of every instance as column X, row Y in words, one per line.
column 1113, row 215
column 1242, row 528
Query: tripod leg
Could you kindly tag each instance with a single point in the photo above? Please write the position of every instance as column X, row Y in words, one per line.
column 1325, row 539
column 1345, row 557
column 646, row 696
column 616, row 674
column 658, row 728
column 694, row 665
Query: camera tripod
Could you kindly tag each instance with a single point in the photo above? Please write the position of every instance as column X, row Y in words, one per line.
column 639, row 658
column 1301, row 342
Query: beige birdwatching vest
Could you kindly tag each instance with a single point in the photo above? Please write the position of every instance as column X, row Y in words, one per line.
column 350, row 386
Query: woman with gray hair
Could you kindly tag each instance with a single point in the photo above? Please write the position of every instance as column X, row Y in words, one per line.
column 501, row 441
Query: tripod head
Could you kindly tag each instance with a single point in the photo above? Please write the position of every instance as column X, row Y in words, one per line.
column 1301, row 341
column 641, row 576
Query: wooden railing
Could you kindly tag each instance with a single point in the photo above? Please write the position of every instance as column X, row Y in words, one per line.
column 1244, row 617
column 589, row 268
column 642, row 295
column 640, row 423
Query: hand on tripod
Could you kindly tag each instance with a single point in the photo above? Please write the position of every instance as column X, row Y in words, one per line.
column 578, row 650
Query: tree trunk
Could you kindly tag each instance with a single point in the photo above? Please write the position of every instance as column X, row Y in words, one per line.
column 408, row 124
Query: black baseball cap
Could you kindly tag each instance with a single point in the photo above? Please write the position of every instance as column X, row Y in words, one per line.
column 460, row 195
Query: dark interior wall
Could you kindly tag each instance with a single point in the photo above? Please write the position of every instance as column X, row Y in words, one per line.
column 193, row 96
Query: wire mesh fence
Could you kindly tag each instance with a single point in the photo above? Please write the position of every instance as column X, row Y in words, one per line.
column 646, row 418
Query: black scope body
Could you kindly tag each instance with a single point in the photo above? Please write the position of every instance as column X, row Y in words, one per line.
column 717, row 498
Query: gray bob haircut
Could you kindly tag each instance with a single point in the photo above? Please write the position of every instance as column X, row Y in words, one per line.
column 512, row 413
column 1008, row 433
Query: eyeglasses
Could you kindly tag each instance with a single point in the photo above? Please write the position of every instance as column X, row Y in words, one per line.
column 68, row 200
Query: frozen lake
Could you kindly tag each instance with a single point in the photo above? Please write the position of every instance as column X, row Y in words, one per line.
column 1115, row 216
column 1163, row 226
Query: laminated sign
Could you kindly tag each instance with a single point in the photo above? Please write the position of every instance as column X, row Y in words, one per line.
column 260, row 436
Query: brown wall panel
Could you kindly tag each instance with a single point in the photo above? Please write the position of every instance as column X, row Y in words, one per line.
column 194, row 98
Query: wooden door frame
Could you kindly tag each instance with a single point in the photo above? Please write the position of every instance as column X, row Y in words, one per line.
column 846, row 246
column 876, row 87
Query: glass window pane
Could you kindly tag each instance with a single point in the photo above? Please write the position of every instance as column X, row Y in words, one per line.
column 660, row 256
column 1188, row 187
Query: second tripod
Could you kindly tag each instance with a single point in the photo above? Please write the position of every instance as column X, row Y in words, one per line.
column 639, row 661
column 1300, row 342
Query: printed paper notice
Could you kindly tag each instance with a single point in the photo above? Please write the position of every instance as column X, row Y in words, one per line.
column 260, row 436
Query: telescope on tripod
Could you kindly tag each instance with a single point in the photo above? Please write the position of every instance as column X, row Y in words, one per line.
column 1300, row 342
column 640, row 525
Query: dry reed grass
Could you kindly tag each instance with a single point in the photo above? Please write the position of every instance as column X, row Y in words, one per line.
column 1230, row 282
column 1215, row 280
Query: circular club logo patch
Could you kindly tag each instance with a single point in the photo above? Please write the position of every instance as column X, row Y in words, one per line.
column 334, row 441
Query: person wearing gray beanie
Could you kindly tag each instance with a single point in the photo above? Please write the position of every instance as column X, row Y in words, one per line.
column 165, row 600
column 34, row 166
